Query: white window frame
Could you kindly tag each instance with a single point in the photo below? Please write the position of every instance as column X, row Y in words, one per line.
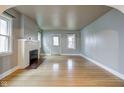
column 39, row 38
column 9, row 27
column 74, row 41
column 59, row 41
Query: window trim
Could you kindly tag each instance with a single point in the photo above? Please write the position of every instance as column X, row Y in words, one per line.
column 75, row 45
column 59, row 41
column 40, row 38
column 10, row 38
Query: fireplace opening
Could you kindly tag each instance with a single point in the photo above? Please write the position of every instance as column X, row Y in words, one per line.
column 34, row 60
column 33, row 56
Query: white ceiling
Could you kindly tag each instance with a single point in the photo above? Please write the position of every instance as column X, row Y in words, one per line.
column 55, row 17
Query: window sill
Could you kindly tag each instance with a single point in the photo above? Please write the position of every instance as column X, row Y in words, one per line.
column 5, row 54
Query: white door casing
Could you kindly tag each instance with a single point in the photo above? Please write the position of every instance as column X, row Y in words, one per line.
column 55, row 46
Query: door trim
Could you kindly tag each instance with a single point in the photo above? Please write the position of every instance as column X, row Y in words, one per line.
column 60, row 44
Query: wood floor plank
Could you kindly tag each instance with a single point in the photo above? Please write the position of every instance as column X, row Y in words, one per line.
column 63, row 71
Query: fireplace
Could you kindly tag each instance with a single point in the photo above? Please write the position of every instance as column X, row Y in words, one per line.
column 28, row 50
column 34, row 60
column 33, row 56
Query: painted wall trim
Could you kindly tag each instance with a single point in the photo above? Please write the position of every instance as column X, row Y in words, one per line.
column 43, row 54
column 70, row 54
column 91, row 60
column 104, row 67
column 48, row 54
column 8, row 72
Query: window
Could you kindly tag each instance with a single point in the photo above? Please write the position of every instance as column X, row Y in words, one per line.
column 5, row 35
column 71, row 41
column 39, row 36
column 55, row 40
column 39, row 39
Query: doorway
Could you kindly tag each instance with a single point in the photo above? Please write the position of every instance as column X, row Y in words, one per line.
column 55, row 44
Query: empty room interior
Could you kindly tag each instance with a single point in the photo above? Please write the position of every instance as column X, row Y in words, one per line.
column 61, row 45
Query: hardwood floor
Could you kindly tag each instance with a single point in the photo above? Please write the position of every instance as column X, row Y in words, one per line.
column 63, row 71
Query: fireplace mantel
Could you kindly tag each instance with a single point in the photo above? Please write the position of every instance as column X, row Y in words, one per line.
column 24, row 47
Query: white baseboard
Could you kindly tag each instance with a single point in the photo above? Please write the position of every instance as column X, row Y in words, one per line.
column 43, row 54
column 91, row 60
column 8, row 72
column 104, row 67
column 62, row 54
column 71, row 54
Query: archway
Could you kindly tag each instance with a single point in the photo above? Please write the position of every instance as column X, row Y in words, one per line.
column 118, row 7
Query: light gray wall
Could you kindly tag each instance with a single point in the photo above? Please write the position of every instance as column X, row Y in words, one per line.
column 103, row 40
column 29, row 28
column 10, row 61
column 23, row 27
column 47, row 40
